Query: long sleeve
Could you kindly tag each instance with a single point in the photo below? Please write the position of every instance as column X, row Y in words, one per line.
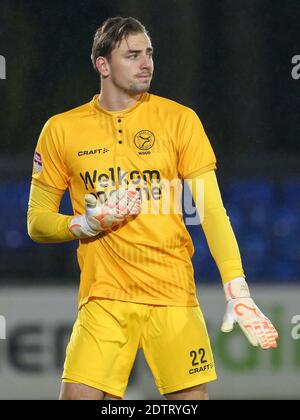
column 217, row 227
column 44, row 223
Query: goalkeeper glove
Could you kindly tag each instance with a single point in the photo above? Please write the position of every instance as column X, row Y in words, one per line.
column 98, row 217
column 241, row 309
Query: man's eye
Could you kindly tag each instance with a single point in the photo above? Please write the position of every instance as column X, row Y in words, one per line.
column 133, row 56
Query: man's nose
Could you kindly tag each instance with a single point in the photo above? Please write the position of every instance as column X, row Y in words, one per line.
column 146, row 62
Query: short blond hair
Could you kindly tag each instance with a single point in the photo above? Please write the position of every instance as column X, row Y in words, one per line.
column 111, row 32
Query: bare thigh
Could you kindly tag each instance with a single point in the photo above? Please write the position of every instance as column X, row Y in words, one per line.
column 74, row 391
column 199, row 392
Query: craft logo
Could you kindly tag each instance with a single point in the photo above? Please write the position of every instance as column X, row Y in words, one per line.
column 92, row 152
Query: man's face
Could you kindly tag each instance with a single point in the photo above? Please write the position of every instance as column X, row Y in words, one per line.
column 131, row 64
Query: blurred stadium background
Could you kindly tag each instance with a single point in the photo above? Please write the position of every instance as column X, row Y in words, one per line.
column 230, row 61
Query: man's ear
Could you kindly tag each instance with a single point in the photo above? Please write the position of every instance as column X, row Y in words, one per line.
column 103, row 66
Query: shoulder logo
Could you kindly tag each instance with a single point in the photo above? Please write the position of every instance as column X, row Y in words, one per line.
column 144, row 140
column 37, row 162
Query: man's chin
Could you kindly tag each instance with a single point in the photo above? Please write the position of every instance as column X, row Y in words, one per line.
column 141, row 88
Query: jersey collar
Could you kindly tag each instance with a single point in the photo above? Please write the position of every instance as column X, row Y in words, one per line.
column 98, row 108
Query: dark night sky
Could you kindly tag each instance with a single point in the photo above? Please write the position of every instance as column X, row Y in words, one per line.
column 230, row 60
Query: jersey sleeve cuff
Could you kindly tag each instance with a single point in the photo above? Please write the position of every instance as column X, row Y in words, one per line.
column 200, row 171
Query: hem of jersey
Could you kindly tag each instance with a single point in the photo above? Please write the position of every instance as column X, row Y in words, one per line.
column 146, row 301
column 100, row 386
column 185, row 385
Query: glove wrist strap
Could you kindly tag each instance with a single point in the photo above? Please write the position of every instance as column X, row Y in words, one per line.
column 81, row 228
column 237, row 288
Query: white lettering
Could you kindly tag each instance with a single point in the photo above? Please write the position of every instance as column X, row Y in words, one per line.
column 2, row 328
column 296, row 69
column 296, row 329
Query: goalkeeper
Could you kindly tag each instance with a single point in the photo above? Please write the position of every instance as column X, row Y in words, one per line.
column 137, row 286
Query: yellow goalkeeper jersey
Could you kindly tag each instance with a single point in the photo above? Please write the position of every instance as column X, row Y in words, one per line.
column 149, row 146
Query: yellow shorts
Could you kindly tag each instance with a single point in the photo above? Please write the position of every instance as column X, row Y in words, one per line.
column 108, row 333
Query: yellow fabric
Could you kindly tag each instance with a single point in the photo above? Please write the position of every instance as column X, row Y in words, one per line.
column 217, row 227
column 43, row 221
column 148, row 259
column 107, row 335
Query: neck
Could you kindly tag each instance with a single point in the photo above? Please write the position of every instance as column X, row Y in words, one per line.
column 117, row 100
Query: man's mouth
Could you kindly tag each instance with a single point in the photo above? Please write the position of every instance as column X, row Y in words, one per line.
column 143, row 76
